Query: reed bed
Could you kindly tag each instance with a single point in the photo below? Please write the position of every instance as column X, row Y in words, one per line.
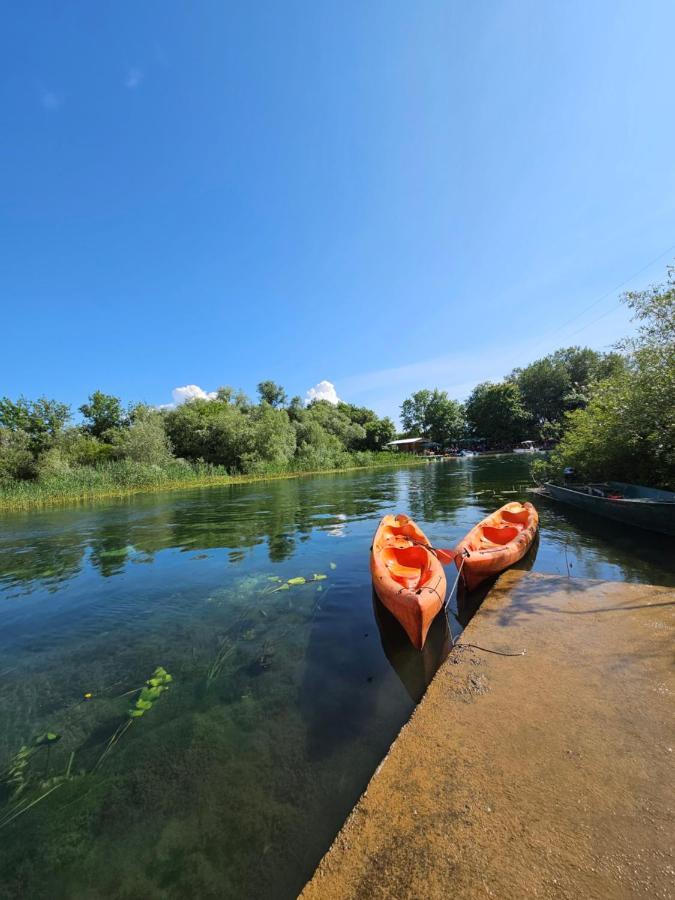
column 124, row 478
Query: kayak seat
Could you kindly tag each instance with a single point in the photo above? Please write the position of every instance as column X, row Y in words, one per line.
column 516, row 518
column 501, row 535
column 409, row 566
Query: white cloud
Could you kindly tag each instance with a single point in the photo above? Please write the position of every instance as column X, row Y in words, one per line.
column 186, row 393
column 191, row 392
column 51, row 100
column 324, row 390
column 133, row 78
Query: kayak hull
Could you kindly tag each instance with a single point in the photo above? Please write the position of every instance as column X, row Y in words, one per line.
column 407, row 577
column 496, row 543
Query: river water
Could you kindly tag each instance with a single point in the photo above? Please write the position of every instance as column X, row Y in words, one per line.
column 283, row 701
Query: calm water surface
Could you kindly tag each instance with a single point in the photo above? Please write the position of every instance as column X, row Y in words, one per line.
column 282, row 702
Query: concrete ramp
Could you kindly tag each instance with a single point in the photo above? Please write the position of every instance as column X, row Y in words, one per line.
column 544, row 775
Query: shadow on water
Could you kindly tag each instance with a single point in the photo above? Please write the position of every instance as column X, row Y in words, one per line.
column 415, row 668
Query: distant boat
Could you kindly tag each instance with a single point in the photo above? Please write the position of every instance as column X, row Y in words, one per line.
column 527, row 447
column 631, row 504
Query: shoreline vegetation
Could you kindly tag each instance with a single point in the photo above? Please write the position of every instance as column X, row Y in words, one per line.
column 106, row 484
column 606, row 416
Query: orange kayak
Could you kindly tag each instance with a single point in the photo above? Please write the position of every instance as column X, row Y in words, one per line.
column 407, row 577
column 497, row 542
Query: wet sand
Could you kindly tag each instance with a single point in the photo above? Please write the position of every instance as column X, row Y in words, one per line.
column 543, row 775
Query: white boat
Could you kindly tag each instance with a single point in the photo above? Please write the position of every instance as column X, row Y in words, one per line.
column 527, row 447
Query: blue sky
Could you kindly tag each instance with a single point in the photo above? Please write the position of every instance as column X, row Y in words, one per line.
column 385, row 195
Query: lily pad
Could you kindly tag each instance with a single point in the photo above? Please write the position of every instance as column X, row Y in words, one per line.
column 298, row 580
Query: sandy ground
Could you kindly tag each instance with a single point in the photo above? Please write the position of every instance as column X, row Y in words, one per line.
column 543, row 775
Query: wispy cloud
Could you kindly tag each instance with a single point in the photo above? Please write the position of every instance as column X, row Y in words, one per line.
column 50, row 100
column 324, row 390
column 133, row 77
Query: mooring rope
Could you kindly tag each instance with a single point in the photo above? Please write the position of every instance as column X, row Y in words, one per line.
column 454, row 640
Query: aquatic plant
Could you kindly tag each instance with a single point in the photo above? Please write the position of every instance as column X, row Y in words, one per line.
column 293, row 582
column 20, row 780
column 148, row 695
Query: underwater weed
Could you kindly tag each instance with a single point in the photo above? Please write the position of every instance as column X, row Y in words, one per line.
column 151, row 691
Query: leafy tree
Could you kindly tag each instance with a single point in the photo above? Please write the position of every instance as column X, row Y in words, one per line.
column 145, row 440
column 496, row 413
column 563, row 381
column 273, row 438
column 334, row 421
column 296, row 409
column 433, row 415
column 17, row 462
column 272, row 393
column 103, row 414
column 42, row 420
column 627, row 431
column 544, row 385
column 378, row 433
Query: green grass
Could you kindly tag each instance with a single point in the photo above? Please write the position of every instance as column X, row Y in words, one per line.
column 124, row 478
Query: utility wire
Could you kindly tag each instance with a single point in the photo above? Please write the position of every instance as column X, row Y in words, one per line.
column 604, row 296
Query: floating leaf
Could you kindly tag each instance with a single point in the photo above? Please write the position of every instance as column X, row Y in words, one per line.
column 151, row 693
column 143, row 704
column 319, row 577
column 136, row 713
column 298, row 580
column 49, row 737
column 273, row 578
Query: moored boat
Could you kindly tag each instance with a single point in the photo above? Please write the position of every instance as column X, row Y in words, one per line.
column 632, row 504
column 407, row 576
column 496, row 543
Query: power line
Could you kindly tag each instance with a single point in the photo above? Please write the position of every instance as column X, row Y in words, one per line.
column 604, row 297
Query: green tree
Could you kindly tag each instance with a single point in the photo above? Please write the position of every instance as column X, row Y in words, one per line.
column 627, row 430
column 17, row 461
column 378, row 433
column 42, row 420
column 433, row 415
column 273, row 439
column 495, row 412
column 272, row 393
column 103, row 414
column 145, row 440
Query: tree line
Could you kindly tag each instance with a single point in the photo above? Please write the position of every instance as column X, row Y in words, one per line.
column 231, row 432
column 529, row 404
column 606, row 415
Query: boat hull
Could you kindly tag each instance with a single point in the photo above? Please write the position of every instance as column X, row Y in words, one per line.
column 651, row 512
column 407, row 578
column 499, row 541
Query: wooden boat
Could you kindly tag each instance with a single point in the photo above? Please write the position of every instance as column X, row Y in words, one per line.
column 631, row 504
column 407, row 576
column 497, row 542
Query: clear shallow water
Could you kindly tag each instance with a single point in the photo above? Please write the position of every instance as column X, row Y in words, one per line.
column 283, row 702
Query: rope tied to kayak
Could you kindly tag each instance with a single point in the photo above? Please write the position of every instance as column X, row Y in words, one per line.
column 454, row 640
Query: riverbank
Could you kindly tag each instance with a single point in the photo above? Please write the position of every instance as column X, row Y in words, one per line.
column 23, row 496
column 543, row 775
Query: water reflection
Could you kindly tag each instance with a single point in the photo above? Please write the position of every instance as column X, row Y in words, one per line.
column 50, row 547
column 415, row 668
